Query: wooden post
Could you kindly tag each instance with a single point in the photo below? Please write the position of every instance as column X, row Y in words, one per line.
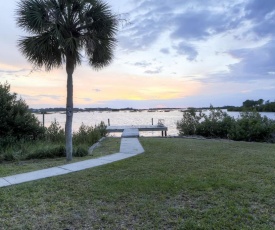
column 108, row 122
column 43, row 114
column 152, row 121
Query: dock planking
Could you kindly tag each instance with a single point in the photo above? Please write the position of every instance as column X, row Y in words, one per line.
column 130, row 133
column 122, row 129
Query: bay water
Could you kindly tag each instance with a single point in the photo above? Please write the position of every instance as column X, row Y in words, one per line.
column 145, row 117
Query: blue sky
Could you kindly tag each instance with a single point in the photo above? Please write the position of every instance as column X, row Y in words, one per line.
column 170, row 53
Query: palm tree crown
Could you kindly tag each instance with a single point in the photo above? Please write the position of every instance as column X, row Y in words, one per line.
column 63, row 28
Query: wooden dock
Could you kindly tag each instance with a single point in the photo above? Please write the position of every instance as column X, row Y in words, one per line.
column 133, row 130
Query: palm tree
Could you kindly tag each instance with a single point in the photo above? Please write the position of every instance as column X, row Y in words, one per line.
column 60, row 31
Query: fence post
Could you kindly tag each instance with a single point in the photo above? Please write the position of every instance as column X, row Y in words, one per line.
column 108, row 122
column 152, row 121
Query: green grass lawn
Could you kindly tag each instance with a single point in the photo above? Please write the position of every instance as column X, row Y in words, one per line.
column 175, row 184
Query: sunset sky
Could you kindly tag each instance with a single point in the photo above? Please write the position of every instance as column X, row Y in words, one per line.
column 170, row 53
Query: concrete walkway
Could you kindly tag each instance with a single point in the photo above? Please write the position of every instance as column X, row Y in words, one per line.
column 129, row 147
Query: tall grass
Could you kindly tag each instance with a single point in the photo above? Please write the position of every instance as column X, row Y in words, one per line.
column 51, row 144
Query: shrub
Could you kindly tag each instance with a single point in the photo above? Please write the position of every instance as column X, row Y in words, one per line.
column 52, row 145
column 89, row 134
column 80, row 151
column 249, row 127
column 216, row 124
column 7, row 156
column 15, row 118
column 252, row 127
column 7, row 141
column 189, row 123
column 55, row 133
column 102, row 128
column 48, row 151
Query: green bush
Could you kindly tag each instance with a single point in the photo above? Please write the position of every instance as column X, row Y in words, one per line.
column 7, row 156
column 52, row 144
column 48, row 151
column 189, row 123
column 249, row 127
column 55, row 133
column 15, row 118
column 252, row 127
column 89, row 134
column 80, row 151
column 6, row 142
column 102, row 128
column 216, row 124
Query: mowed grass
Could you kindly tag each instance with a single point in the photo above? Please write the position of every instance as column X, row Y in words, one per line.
column 175, row 184
column 108, row 146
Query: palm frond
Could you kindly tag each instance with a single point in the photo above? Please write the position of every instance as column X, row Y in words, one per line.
column 33, row 16
column 99, row 37
column 103, row 53
column 42, row 50
column 66, row 27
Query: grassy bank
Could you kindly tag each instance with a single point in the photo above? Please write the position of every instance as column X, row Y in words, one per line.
column 175, row 184
column 108, row 146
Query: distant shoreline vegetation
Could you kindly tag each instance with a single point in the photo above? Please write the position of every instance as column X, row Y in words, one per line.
column 106, row 109
column 248, row 105
column 259, row 106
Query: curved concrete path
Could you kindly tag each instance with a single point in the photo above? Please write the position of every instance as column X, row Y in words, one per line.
column 128, row 147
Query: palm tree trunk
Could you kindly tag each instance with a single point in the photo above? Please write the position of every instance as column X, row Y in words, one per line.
column 69, row 108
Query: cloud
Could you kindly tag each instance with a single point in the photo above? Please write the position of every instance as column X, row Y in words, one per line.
column 97, row 90
column 256, row 64
column 29, row 97
column 258, row 10
column 184, row 20
column 12, row 72
column 53, row 97
column 142, row 64
column 156, row 71
column 187, row 50
column 165, row 51
column 86, row 99
column 262, row 15
column 37, row 98
column 141, row 34
column 196, row 25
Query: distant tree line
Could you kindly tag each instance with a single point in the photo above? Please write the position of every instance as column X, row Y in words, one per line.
column 251, row 105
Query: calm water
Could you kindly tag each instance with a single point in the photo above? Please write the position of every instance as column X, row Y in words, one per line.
column 127, row 118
